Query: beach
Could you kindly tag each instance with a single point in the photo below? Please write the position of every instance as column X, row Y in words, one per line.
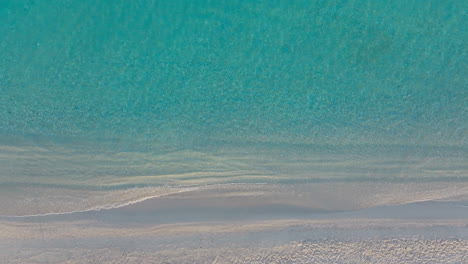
column 239, row 225
column 225, row 131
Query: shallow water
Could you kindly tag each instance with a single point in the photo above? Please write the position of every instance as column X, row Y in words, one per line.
column 265, row 129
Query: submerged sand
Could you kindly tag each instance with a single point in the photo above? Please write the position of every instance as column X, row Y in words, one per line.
column 225, row 207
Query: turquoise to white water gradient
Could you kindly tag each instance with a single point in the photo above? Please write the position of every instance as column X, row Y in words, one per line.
column 113, row 95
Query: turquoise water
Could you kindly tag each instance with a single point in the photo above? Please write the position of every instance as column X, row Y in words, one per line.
column 116, row 95
column 201, row 72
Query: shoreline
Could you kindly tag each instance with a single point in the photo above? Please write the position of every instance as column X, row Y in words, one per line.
column 322, row 197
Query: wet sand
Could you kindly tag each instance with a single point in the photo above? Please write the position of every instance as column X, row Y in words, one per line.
column 243, row 224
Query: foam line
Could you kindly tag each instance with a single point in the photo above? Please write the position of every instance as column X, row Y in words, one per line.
column 101, row 208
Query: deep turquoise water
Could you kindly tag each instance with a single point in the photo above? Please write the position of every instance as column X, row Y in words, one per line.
column 185, row 72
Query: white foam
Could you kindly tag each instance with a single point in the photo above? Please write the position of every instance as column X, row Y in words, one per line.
column 101, row 207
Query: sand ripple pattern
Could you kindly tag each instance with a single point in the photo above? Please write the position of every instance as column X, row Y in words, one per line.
column 385, row 251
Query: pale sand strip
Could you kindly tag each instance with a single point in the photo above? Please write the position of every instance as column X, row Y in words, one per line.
column 282, row 241
column 93, row 229
column 385, row 251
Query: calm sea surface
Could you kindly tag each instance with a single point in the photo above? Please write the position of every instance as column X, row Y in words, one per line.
column 113, row 95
